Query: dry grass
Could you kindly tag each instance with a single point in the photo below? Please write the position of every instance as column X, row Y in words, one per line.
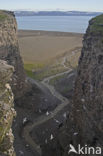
column 45, row 47
column 43, row 54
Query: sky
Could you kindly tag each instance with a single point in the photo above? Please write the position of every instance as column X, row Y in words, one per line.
column 37, row 5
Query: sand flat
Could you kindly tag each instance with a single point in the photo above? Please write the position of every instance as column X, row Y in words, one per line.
column 41, row 46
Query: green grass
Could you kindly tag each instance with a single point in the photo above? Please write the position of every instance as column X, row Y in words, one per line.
column 29, row 73
column 97, row 24
column 29, row 68
column 3, row 16
column 39, row 71
column 35, row 66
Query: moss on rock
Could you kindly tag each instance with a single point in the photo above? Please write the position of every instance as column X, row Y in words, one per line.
column 3, row 15
column 96, row 24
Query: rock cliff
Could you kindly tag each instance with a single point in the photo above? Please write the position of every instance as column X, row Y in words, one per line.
column 7, row 111
column 9, row 51
column 88, row 93
column 85, row 123
column 14, row 71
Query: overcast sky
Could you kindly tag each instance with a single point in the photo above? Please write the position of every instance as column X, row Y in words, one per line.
column 80, row 5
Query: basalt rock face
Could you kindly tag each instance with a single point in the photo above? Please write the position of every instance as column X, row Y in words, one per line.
column 9, row 51
column 85, row 123
column 87, row 111
column 7, row 111
column 88, row 94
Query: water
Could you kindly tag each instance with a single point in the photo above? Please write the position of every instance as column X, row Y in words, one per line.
column 76, row 24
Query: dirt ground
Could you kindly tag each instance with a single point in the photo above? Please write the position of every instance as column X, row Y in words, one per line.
column 41, row 46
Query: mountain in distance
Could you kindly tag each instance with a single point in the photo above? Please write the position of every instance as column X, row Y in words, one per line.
column 56, row 13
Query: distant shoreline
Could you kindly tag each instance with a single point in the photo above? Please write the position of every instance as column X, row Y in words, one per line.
column 28, row 33
column 56, row 13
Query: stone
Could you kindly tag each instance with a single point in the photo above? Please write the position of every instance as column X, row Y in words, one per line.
column 10, row 52
column 7, row 111
column 85, row 123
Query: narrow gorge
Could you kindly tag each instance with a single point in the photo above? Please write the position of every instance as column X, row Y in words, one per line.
column 33, row 99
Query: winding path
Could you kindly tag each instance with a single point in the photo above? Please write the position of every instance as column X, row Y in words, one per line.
column 44, row 118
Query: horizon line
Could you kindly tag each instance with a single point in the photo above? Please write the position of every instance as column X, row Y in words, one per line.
column 59, row 10
column 54, row 10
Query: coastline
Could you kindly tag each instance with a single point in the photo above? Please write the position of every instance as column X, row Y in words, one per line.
column 28, row 33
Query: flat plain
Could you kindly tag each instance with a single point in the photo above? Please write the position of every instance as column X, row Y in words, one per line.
column 45, row 53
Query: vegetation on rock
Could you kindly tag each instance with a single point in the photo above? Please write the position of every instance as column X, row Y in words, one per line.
column 96, row 24
column 3, row 16
column 7, row 111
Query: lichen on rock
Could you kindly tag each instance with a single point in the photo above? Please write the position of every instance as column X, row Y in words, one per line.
column 7, row 111
column 9, row 51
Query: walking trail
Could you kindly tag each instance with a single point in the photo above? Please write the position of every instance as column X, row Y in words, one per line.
column 44, row 118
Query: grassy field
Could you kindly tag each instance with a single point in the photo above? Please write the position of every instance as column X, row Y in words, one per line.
column 44, row 54
column 42, row 72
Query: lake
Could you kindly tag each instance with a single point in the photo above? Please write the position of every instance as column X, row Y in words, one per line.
column 76, row 24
